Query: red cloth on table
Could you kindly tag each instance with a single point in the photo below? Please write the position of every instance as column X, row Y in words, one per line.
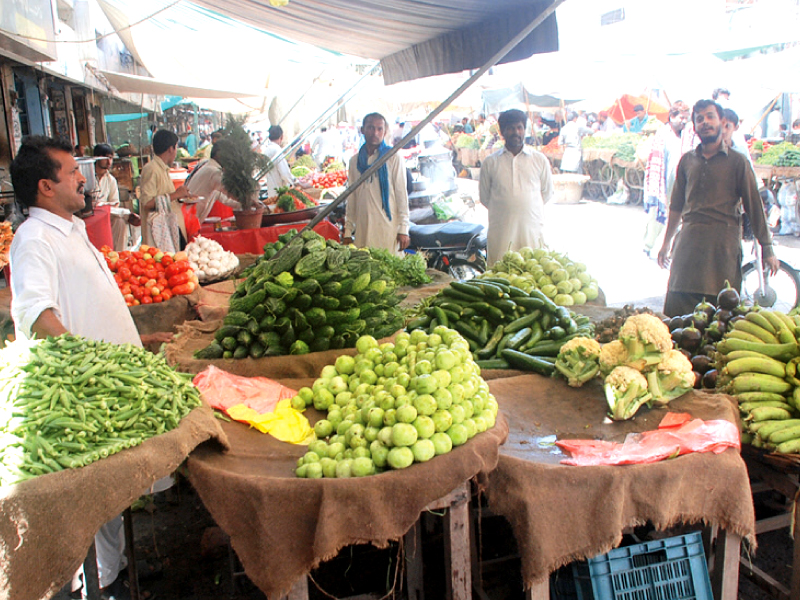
column 221, row 211
column 252, row 241
column 98, row 227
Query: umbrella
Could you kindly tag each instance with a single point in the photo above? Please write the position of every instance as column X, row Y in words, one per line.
column 622, row 109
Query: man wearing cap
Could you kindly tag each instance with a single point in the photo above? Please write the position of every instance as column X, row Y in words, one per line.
column 636, row 124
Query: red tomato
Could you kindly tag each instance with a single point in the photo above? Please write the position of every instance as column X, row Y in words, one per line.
column 138, row 293
column 138, row 254
column 159, row 267
column 129, row 298
column 158, row 298
column 166, row 260
column 162, row 283
column 147, row 299
column 155, row 291
column 136, row 270
column 151, row 273
column 166, row 294
column 149, row 283
column 150, row 261
column 125, row 288
column 118, row 278
column 105, row 249
column 125, row 273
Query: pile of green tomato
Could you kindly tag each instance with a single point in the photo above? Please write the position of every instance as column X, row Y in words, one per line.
column 395, row 404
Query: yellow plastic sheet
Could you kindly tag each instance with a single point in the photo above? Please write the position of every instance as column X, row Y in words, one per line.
column 284, row 423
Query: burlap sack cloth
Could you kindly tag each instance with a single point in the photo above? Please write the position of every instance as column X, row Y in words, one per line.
column 281, row 526
column 48, row 523
column 561, row 513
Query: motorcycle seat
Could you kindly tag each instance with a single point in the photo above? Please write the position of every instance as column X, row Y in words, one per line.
column 455, row 233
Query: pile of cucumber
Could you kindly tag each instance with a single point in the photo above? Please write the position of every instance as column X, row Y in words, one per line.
column 506, row 327
column 316, row 295
column 757, row 363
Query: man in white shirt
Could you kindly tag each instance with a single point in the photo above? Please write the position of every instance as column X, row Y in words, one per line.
column 206, row 181
column 377, row 211
column 60, row 283
column 327, row 143
column 108, row 195
column 515, row 184
column 279, row 175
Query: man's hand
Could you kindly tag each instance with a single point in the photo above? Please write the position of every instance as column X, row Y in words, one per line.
column 180, row 193
column 772, row 263
column 663, row 257
column 403, row 241
column 134, row 219
column 159, row 337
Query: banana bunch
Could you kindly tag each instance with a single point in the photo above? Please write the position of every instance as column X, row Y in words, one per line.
column 758, row 364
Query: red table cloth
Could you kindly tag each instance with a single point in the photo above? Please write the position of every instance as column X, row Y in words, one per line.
column 244, row 241
column 98, row 227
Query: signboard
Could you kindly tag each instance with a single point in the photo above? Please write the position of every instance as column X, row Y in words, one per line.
column 27, row 29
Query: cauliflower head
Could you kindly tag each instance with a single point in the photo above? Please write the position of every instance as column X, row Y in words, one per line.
column 614, row 354
column 646, row 337
column 577, row 360
column 626, row 390
column 671, row 378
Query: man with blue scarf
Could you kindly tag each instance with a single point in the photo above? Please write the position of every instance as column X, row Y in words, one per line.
column 377, row 211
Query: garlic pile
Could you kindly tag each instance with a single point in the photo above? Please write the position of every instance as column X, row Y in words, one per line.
column 209, row 260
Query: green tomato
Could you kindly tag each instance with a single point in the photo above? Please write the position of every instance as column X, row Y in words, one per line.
column 559, row 275
column 337, row 385
column 301, row 471
column 362, row 466
column 318, row 447
column 344, row 426
column 362, row 364
column 471, row 427
column 489, row 417
column 425, row 384
column 323, row 428
column 320, row 384
column 335, row 417
column 423, row 450
column 442, row 443
column 442, row 420
column 368, row 376
column 456, row 393
column 402, row 457
column 328, row 467
column 360, row 452
column 328, row 372
column 406, row 414
column 576, row 283
column 425, row 404
column 379, row 453
column 417, row 336
column 457, row 374
column 469, row 409
column 314, row 470
column 385, row 436
column 458, row 434
column 404, row 434
column 344, row 468
column 457, row 412
column 401, row 347
column 365, row 343
column 343, row 398
column 375, row 416
column 469, row 388
column 443, row 397
column 583, row 277
column 335, row 448
column 591, row 291
column 323, row 399
column 371, row 432
column 390, row 367
column 374, row 354
column 389, row 417
column 404, row 379
column 307, row 394
column 563, row 300
column 480, row 424
column 434, row 340
column 423, row 367
column 298, row 403
column 353, row 384
column 578, row 297
column 549, row 290
column 387, row 402
column 442, row 377
column 425, row 426
column 379, row 371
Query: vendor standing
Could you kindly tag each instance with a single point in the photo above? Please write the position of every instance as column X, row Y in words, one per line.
column 279, row 175
column 570, row 137
column 155, row 183
column 712, row 186
column 377, row 211
column 108, row 194
column 515, row 184
column 206, row 181
column 60, row 283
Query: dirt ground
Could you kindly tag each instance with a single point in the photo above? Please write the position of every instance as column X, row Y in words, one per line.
column 179, row 534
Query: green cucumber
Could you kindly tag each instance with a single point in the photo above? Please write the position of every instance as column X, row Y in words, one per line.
column 492, row 363
column 526, row 362
column 523, row 322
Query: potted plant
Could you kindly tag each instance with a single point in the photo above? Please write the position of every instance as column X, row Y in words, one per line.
column 238, row 176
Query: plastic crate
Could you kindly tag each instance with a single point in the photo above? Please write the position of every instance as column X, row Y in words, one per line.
column 669, row 569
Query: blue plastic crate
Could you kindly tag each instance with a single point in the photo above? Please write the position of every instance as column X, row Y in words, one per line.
column 669, row 569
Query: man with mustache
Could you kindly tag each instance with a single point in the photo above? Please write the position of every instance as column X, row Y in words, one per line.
column 515, row 184
column 60, row 283
column 712, row 186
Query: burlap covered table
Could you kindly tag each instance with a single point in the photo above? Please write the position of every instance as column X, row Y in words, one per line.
column 280, row 526
column 561, row 513
column 48, row 523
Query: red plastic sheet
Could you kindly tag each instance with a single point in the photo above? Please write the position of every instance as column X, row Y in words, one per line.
column 98, row 227
column 252, row 241
column 223, row 390
column 677, row 434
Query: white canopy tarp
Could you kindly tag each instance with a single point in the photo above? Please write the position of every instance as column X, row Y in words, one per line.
column 124, row 82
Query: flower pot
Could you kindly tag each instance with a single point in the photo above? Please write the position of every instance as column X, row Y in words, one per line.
column 250, row 219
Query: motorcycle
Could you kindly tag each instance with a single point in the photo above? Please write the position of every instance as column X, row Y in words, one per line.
column 455, row 248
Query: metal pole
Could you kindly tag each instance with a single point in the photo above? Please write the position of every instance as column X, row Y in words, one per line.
column 382, row 160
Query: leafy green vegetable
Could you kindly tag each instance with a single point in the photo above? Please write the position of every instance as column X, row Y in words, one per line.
column 784, row 154
column 408, row 270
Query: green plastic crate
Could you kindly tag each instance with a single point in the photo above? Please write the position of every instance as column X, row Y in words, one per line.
column 669, row 569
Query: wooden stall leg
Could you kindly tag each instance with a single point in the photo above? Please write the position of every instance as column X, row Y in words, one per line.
column 130, row 552
column 412, row 541
column 457, row 550
column 299, row 590
column 91, row 579
column 796, row 560
column 539, row 591
column 725, row 576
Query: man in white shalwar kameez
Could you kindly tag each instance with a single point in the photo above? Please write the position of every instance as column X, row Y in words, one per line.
column 377, row 211
column 515, row 184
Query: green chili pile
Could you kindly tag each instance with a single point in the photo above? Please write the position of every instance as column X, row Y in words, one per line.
column 66, row 402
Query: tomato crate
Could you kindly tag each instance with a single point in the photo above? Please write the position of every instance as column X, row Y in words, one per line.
column 669, row 569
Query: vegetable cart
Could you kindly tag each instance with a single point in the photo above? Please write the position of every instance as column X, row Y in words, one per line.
column 632, row 173
column 597, row 164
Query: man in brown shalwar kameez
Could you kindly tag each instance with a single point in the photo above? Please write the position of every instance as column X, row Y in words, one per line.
column 712, row 187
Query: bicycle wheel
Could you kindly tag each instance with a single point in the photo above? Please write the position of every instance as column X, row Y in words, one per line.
column 785, row 283
column 462, row 270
